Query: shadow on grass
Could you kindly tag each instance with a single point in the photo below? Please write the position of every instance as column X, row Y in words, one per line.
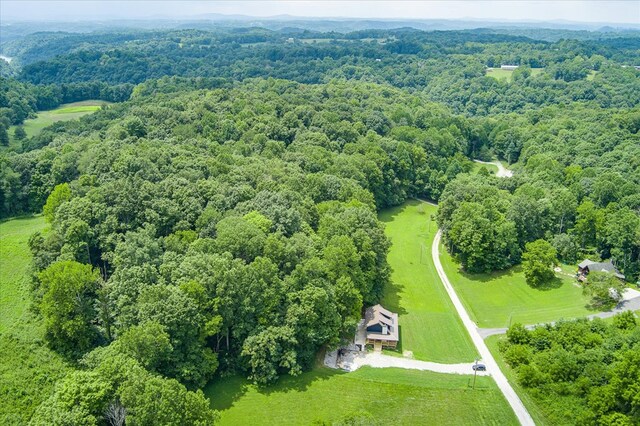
column 391, row 299
column 555, row 283
column 224, row 392
column 389, row 214
column 24, row 217
column 489, row 276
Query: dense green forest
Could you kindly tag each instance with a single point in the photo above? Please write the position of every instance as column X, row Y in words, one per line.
column 220, row 217
column 591, row 366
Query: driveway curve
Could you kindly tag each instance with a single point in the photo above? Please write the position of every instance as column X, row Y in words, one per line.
column 492, row 366
column 502, row 170
column 353, row 360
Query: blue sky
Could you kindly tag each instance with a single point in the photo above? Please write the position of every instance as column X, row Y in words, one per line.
column 576, row 10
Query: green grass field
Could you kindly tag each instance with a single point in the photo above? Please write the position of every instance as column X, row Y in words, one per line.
column 15, row 268
column 64, row 112
column 394, row 396
column 492, row 168
column 429, row 324
column 505, row 75
column 28, row 369
column 500, row 298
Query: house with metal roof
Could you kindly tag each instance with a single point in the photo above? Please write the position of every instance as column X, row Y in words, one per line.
column 381, row 327
column 587, row 266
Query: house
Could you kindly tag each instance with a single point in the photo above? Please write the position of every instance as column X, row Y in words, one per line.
column 381, row 327
column 509, row 67
column 587, row 266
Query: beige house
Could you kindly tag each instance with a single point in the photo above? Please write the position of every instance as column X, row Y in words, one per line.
column 381, row 327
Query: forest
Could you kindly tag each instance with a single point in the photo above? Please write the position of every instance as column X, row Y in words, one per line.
column 220, row 217
column 592, row 366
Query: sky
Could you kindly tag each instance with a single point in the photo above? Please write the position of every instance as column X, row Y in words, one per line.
column 576, row 10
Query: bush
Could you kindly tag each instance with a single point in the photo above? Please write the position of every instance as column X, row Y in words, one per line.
column 518, row 335
column 517, row 355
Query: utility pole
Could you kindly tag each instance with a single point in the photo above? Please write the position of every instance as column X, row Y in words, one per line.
column 475, row 373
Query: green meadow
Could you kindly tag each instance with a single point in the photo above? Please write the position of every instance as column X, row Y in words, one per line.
column 429, row 324
column 498, row 299
column 505, row 75
column 388, row 395
column 64, row 112
column 28, row 369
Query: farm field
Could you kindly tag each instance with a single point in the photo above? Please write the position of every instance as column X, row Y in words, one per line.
column 505, row 75
column 28, row 369
column 429, row 324
column 394, row 396
column 501, row 298
column 64, row 112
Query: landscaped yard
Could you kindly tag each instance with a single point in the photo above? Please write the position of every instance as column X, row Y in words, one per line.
column 392, row 396
column 28, row 369
column 64, row 112
column 498, row 299
column 429, row 324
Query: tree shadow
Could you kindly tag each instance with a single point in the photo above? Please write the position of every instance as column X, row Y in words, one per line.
column 391, row 299
column 485, row 277
column 553, row 284
column 299, row 383
column 224, row 392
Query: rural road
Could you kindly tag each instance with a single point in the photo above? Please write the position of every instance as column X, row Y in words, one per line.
column 630, row 304
column 502, row 170
column 492, row 366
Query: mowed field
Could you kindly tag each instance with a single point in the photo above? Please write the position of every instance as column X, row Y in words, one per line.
column 429, row 324
column 505, row 75
column 64, row 112
column 499, row 299
column 28, row 369
column 389, row 395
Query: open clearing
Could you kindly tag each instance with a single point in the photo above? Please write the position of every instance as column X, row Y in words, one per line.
column 499, row 299
column 505, row 75
column 28, row 369
column 394, row 396
column 429, row 325
column 15, row 265
column 64, row 112
column 491, row 168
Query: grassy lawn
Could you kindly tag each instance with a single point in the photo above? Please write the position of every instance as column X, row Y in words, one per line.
column 492, row 168
column 394, row 396
column 28, row 370
column 505, row 75
column 499, row 298
column 429, row 324
column 64, row 112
